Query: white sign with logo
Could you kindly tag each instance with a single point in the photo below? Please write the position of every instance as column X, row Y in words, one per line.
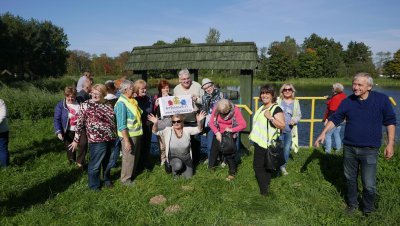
column 172, row 105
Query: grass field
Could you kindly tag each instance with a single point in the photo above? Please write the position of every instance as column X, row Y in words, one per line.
column 40, row 188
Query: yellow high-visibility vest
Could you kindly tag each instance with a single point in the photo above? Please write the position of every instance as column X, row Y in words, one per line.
column 134, row 125
column 263, row 133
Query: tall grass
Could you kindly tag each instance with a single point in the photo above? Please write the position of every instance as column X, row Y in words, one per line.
column 40, row 188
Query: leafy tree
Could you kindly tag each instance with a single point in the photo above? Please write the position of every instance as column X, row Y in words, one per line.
column 358, row 58
column 78, row 61
column 328, row 51
column 310, row 65
column 160, row 43
column 182, row 41
column 381, row 59
column 392, row 67
column 120, row 62
column 39, row 48
column 213, row 36
column 283, row 61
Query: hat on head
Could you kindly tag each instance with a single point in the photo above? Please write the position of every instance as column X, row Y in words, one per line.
column 205, row 81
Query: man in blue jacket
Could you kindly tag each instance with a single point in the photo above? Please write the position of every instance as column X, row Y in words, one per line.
column 365, row 111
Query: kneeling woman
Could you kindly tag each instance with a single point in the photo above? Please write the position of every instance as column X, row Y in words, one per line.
column 225, row 117
column 177, row 143
column 268, row 121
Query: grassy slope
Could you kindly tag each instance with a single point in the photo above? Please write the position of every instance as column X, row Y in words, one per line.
column 40, row 188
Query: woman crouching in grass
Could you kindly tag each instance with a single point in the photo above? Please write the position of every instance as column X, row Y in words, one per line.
column 177, row 143
column 98, row 119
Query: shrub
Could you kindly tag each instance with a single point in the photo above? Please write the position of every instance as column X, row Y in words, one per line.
column 29, row 102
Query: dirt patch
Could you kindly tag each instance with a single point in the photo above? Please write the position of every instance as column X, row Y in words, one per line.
column 187, row 188
column 158, row 199
column 172, row 209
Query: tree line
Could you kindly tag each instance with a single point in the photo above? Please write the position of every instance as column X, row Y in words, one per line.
column 39, row 48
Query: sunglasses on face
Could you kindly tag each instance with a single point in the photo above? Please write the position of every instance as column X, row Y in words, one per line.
column 178, row 121
column 287, row 90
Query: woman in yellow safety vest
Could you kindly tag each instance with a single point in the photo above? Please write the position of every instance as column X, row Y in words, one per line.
column 267, row 123
column 129, row 127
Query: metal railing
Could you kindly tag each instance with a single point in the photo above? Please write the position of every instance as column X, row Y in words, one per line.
column 311, row 120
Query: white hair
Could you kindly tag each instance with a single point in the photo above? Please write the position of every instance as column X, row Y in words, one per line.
column 183, row 72
column 370, row 81
column 126, row 84
column 337, row 88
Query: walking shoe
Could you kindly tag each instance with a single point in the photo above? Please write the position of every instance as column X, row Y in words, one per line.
column 230, row 178
column 205, row 162
column 284, row 172
column 350, row 210
column 223, row 164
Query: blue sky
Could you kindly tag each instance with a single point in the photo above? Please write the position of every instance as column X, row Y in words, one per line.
column 111, row 27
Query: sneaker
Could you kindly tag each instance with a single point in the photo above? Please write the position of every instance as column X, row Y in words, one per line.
column 350, row 210
column 205, row 162
column 230, row 178
column 284, row 172
column 223, row 164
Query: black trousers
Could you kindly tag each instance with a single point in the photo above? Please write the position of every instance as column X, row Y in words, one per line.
column 230, row 158
column 263, row 175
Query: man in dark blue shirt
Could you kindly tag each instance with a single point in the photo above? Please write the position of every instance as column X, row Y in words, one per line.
column 365, row 111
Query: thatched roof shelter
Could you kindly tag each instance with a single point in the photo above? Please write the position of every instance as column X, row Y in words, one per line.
column 230, row 56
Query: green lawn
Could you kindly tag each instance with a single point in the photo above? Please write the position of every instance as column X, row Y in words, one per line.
column 40, row 188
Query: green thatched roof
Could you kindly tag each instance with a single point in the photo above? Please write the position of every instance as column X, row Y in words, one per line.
column 235, row 55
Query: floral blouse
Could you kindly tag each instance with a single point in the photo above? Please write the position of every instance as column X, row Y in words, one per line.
column 99, row 121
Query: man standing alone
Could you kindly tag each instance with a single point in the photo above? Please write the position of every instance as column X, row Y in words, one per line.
column 365, row 111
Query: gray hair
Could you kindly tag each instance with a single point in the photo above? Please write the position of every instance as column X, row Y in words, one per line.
column 370, row 81
column 126, row 84
column 337, row 88
column 183, row 72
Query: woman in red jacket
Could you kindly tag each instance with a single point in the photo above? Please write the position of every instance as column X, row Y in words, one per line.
column 332, row 105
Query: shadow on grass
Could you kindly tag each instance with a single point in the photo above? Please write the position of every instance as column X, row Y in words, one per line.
column 40, row 193
column 331, row 166
column 37, row 149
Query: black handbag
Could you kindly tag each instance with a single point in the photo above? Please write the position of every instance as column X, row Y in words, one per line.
column 227, row 144
column 275, row 158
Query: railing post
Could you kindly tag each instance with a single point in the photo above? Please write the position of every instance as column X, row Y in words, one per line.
column 312, row 122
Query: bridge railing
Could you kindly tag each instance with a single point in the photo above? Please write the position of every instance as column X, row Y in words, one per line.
column 311, row 120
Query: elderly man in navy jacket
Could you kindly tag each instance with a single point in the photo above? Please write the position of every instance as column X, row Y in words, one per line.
column 365, row 111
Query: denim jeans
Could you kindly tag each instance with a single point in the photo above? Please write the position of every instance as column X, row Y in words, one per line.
column 99, row 157
column 366, row 160
column 4, row 154
column 328, row 139
column 287, row 144
column 112, row 163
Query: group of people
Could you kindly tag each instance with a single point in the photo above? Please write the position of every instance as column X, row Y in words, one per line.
column 121, row 117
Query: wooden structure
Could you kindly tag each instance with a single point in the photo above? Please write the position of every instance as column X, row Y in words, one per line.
column 225, row 56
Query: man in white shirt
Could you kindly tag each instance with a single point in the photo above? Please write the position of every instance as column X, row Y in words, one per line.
column 81, row 81
column 188, row 87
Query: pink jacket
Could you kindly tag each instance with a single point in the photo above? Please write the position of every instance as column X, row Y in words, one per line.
column 241, row 123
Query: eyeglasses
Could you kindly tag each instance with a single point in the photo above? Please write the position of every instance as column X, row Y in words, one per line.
column 287, row 90
column 178, row 121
